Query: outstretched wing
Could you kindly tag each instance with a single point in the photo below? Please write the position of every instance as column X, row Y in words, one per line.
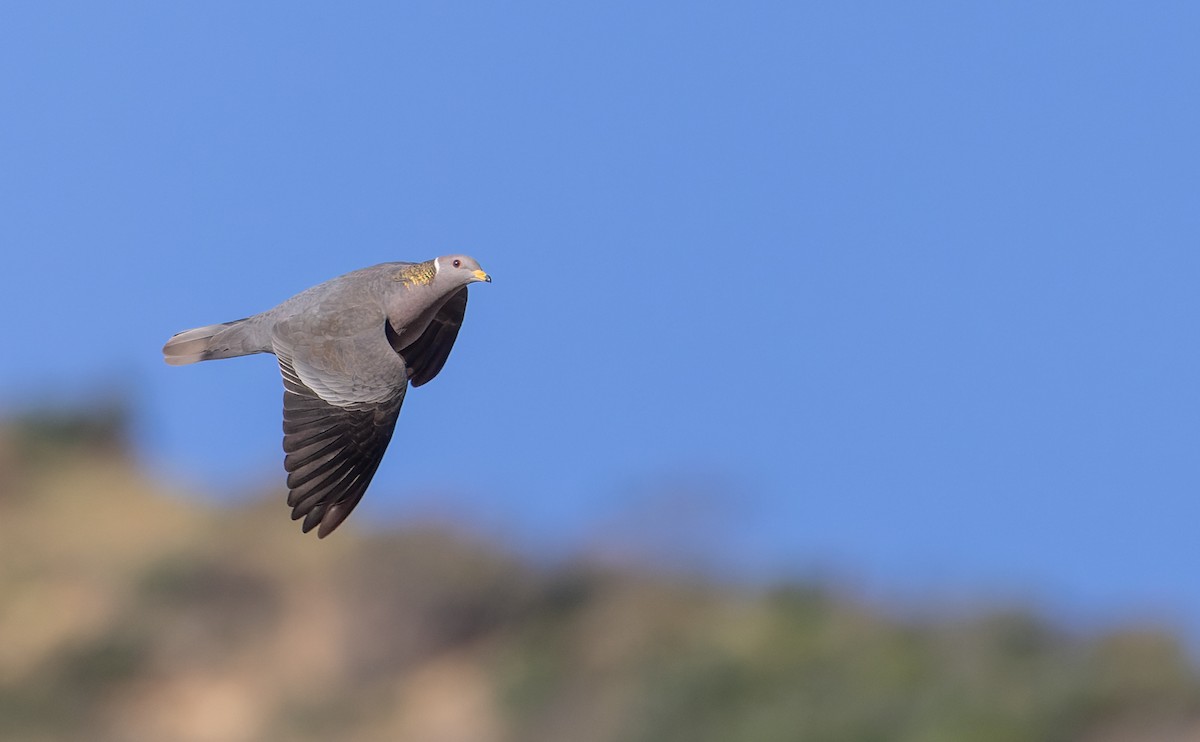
column 341, row 399
column 428, row 353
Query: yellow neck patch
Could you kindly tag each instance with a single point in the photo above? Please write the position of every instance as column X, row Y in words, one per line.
column 417, row 274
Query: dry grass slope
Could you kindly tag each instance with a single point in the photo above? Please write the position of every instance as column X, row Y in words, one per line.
column 129, row 611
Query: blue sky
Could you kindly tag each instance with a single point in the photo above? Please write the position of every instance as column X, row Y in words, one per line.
column 903, row 291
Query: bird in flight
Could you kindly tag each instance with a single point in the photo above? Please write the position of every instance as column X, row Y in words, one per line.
column 348, row 349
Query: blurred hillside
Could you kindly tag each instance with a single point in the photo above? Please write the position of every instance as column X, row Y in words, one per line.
column 129, row 611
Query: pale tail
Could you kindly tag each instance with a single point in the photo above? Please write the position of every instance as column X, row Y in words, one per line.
column 226, row 340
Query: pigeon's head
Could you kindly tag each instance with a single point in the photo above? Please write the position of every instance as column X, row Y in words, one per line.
column 459, row 269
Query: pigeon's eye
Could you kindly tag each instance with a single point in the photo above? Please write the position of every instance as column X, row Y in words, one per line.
column 457, row 263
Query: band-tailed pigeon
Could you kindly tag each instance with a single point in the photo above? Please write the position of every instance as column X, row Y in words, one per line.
column 347, row 350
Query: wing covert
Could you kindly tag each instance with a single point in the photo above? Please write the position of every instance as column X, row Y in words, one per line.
column 341, row 399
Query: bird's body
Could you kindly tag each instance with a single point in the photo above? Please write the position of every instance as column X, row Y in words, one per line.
column 347, row 349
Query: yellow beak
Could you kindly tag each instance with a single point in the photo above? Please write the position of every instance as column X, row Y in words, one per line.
column 481, row 276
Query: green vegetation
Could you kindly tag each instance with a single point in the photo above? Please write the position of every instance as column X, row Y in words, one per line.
column 130, row 612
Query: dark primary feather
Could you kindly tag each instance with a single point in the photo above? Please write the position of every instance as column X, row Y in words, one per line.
column 332, row 452
column 426, row 356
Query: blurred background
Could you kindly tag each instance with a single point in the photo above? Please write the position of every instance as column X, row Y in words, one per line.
column 837, row 381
